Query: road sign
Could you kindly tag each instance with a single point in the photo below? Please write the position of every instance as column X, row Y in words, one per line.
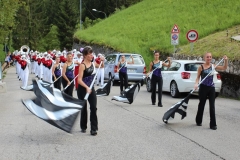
column 174, row 38
column 192, row 35
column 175, row 29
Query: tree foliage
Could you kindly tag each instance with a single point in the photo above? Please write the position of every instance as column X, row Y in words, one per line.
column 32, row 22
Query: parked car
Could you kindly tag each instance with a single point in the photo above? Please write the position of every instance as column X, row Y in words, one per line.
column 135, row 71
column 180, row 77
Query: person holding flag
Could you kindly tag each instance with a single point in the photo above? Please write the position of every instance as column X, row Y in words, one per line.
column 68, row 74
column 86, row 77
column 56, row 72
column 207, row 89
column 157, row 77
column 122, row 70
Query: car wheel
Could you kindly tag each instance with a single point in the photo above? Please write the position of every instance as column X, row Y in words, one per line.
column 216, row 94
column 174, row 90
column 148, row 85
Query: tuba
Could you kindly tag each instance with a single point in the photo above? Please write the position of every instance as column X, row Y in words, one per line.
column 24, row 49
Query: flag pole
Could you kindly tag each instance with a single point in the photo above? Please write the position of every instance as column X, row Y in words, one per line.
column 154, row 70
column 87, row 94
column 207, row 75
column 171, row 111
column 70, row 83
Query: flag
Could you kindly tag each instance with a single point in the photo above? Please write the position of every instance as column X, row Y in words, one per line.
column 62, row 118
column 105, row 90
column 129, row 94
column 180, row 107
column 54, row 106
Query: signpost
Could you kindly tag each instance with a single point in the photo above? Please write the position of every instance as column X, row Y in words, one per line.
column 192, row 36
column 175, row 36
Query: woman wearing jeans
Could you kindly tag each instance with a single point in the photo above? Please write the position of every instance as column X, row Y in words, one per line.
column 207, row 89
column 157, row 77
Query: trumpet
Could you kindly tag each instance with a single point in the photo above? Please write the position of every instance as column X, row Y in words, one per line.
column 24, row 49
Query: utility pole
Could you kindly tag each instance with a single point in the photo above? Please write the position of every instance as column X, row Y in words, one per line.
column 80, row 14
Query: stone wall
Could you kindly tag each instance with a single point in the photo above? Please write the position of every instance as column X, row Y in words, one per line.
column 96, row 48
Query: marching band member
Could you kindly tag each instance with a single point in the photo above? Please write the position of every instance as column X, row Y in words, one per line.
column 101, row 71
column 33, row 57
column 157, row 77
column 48, row 72
column 44, row 67
column 57, row 72
column 39, row 66
column 85, row 78
column 63, row 58
column 25, row 62
column 122, row 70
column 68, row 74
column 207, row 89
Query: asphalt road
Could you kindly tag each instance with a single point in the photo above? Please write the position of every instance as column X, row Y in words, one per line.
column 126, row 132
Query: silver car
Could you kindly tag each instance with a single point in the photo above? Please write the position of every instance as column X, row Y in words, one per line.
column 135, row 71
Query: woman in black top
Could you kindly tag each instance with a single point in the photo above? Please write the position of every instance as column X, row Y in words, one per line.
column 157, row 77
column 86, row 75
column 56, row 72
column 207, row 89
column 122, row 70
column 68, row 74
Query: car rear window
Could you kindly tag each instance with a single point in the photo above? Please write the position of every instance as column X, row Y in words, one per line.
column 136, row 58
column 192, row 66
column 111, row 58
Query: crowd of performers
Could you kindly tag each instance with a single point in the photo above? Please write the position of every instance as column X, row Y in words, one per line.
column 78, row 67
column 67, row 69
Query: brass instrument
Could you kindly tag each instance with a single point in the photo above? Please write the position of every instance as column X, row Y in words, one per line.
column 24, row 49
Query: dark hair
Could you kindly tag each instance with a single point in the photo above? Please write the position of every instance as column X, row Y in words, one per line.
column 87, row 50
column 69, row 53
column 156, row 51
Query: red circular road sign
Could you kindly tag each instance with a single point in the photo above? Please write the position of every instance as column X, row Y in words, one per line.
column 192, row 35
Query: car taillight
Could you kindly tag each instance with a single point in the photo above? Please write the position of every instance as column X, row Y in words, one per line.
column 185, row 75
column 218, row 76
column 144, row 70
column 115, row 69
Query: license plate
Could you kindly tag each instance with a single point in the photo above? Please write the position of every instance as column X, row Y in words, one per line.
column 132, row 70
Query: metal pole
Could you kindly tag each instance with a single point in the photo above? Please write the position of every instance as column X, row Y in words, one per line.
column 80, row 14
column 0, row 71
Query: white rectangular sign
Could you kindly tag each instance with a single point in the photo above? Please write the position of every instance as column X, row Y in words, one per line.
column 174, row 38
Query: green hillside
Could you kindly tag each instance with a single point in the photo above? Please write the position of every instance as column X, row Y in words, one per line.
column 146, row 26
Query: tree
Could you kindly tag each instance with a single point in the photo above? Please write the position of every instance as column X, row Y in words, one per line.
column 8, row 10
column 66, row 20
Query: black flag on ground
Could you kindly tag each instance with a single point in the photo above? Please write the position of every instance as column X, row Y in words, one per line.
column 180, row 107
column 128, row 94
column 60, row 111
column 105, row 90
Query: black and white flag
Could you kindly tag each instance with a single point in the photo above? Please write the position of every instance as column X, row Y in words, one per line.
column 105, row 90
column 129, row 94
column 54, row 106
column 180, row 107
